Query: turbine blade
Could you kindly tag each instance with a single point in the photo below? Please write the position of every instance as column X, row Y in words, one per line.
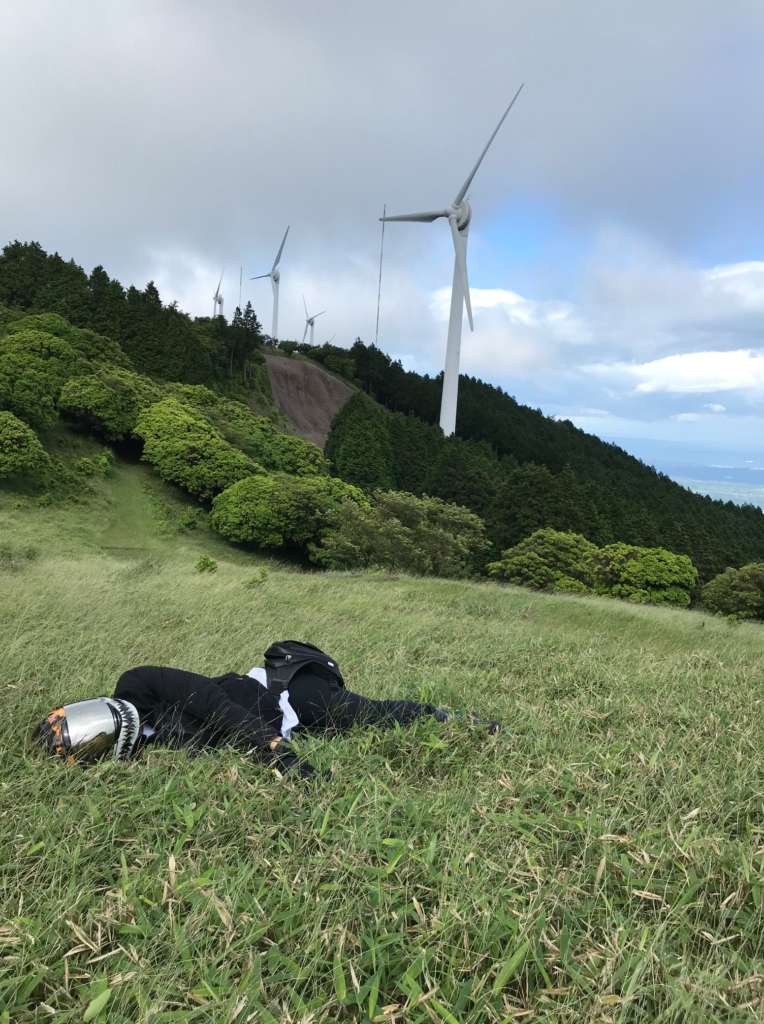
column 424, row 218
column 305, row 332
column 260, row 276
column 460, row 252
column 305, row 304
column 463, row 190
column 281, row 249
column 318, row 314
column 217, row 290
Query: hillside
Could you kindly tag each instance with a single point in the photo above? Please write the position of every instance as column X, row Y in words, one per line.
column 308, row 396
column 599, row 860
column 521, row 470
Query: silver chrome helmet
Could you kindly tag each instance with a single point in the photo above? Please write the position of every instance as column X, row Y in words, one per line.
column 88, row 729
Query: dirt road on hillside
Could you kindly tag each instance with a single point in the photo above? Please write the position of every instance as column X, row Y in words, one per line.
column 309, row 397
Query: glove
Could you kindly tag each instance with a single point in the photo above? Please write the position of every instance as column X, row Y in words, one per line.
column 286, row 760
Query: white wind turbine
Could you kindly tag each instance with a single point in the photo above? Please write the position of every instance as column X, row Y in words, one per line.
column 217, row 299
column 458, row 215
column 275, row 275
column 310, row 321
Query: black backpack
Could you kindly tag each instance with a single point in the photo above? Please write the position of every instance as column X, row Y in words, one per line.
column 284, row 659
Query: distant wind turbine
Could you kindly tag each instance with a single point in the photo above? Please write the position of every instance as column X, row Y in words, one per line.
column 217, row 299
column 310, row 320
column 275, row 275
column 458, row 216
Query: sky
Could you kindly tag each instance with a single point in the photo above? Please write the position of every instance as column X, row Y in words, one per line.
column 615, row 251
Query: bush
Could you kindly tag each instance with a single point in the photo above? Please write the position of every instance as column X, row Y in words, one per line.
column 738, row 592
column 548, row 560
column 20, row 450
column 644, row 575
column 33, row 368
column 206, row 564
column 92, row 349
column 253, row 434
column 551, row 560
column 108, row 401
column 398, row 531
column 185, row 449
column 277, row 510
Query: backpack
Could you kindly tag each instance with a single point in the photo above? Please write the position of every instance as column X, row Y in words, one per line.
column 284, row 659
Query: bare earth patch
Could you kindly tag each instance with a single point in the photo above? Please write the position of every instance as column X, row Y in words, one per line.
column 308, row 395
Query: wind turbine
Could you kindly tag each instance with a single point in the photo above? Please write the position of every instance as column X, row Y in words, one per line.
column 275, row 275
column 310, row 321
column 458, row 215
column 217, row 299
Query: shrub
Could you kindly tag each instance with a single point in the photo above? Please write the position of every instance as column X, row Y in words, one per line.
column 108, row 401
column 92, row 349
column 33, row 368
column 644, row 575
column 20, row 450
column 206, row 564
column 738, row 592
column 399, row 531
column 95, row 465
column 277, row 510
column 185, row 449
column 548, row 560
column 253, row 434
column 551, row 560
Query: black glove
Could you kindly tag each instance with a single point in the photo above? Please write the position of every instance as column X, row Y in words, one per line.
column 286, row 760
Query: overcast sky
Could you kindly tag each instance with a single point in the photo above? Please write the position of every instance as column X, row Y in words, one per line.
column 615, row 246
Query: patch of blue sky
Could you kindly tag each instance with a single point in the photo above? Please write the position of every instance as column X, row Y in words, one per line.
column 526, row 246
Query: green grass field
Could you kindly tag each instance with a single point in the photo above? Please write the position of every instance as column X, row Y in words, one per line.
column 601, row 860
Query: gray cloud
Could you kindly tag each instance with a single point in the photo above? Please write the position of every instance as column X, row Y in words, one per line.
column 165, row 140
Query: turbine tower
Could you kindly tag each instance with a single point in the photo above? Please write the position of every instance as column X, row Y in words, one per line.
column 458, row 216
column 310, row 321
column 217, row 299
column 275, row 275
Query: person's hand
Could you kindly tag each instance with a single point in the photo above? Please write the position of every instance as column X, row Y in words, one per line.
column 285, row 759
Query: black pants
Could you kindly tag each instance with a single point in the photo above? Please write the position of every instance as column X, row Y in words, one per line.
column 322, row 704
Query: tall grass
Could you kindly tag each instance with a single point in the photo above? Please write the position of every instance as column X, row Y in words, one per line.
column 600, row 860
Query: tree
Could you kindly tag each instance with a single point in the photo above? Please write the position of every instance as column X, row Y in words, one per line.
column 20, row 450
column 548, row 560
column 359, row 445
column 399, row 531
column 185, row 449
column 278, row 510
column 109, row 401
column 644, row 575
column 737, row 592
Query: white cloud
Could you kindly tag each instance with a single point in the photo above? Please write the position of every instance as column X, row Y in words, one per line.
column 691, row 372
column 686, row 417
column 715, row 407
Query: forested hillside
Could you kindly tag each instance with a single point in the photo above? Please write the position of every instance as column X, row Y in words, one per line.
column 521, row 470
column 159, row 339
column 514, row 467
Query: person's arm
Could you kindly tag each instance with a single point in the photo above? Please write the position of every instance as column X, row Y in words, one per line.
column 350, row 708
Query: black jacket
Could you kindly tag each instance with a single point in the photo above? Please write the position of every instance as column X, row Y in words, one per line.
column 198, row 711
column 189, row 709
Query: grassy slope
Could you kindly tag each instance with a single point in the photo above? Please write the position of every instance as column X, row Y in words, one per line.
column 599, row 861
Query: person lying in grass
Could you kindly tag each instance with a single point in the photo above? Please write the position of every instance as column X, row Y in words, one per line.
column 300, row 687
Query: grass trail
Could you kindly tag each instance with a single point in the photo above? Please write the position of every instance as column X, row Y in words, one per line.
column 601, row 860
